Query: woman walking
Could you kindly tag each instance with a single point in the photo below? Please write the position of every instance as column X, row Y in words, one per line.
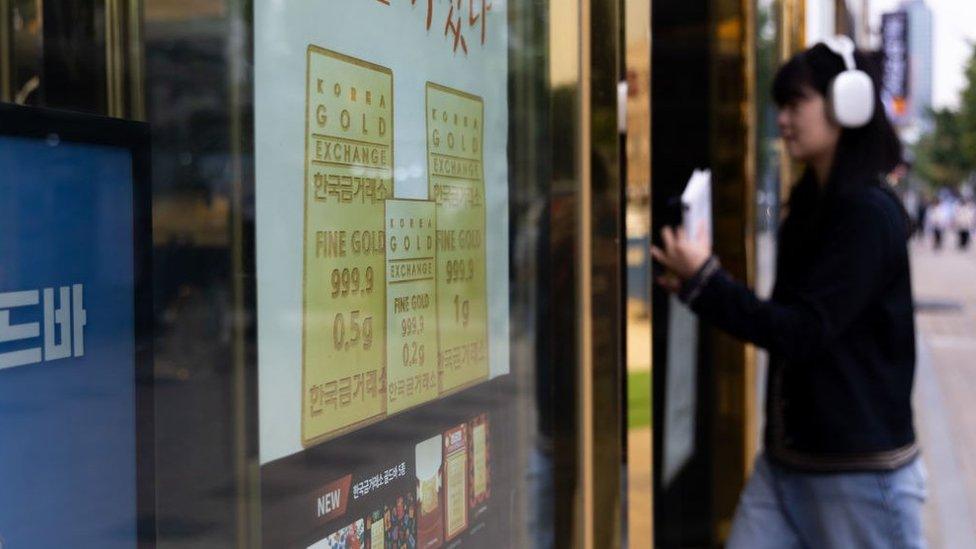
column 840, row 466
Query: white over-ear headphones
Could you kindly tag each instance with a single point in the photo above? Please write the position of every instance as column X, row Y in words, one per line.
column 852, row 91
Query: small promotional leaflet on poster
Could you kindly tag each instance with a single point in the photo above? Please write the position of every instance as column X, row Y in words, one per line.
column 435, row 493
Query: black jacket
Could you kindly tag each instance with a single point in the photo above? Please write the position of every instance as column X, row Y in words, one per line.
column 840, row 332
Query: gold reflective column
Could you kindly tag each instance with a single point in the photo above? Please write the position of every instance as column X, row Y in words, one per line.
column 124, row 86
column 637, row 138
column 584, row 48
column 734, row 144
column 792, row 38
column 601, row 285
column 733, row 140
column 6, row 53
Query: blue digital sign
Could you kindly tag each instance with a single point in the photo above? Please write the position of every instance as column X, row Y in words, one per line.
column 68, row 459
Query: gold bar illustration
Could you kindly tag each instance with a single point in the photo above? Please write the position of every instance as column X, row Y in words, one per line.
column 411, row 304
column 348, row 177
column 455, row 134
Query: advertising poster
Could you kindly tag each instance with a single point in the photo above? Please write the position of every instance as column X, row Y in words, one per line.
column 430, row 490
column 381, row 155
column 456, row 481
column 69, row 320
column 480, row 470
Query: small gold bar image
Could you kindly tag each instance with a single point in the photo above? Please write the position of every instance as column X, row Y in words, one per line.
column 411, row 304
column 348, row 178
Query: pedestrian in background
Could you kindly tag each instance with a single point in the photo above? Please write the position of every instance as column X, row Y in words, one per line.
column 920, row 211
column 963, row 221
column 939, row 218
column 840, row 466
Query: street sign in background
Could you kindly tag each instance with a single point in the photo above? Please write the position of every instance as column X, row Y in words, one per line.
column 894, row 48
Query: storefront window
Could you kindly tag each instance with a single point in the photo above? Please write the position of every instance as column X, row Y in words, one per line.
column 383, row 291
column 361, row 218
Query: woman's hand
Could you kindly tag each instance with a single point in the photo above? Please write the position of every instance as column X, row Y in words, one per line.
column 681, row 256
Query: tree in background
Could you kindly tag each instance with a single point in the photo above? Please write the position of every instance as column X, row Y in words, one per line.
column 947, row 155
column 967, row 113
column 940, row 158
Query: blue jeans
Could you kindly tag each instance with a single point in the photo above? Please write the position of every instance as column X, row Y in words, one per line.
column 784, row 509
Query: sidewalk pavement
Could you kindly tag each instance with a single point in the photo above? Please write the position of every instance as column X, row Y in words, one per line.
column 945, row 388
column 640, row 512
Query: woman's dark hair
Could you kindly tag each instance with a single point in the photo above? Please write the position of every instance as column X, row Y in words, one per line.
column 864, row 155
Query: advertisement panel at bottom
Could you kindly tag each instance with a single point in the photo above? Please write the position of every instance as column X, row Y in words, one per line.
column 424, row 479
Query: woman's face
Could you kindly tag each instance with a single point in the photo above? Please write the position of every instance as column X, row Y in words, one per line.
column 807, row 131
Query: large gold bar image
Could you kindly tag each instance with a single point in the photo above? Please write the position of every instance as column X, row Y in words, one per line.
column 348, row 177
column 455, row 137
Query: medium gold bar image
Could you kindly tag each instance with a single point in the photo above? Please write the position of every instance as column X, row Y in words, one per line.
column 348, row 177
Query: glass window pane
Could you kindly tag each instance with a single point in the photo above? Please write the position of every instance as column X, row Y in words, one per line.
column 363, row 236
